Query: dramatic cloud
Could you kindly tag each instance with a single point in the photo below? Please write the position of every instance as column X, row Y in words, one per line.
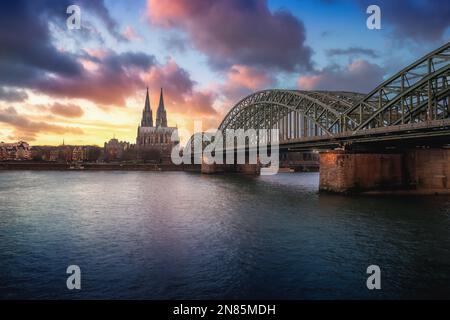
column 99, row 8
column 251, row 78
column 12, row 95
column 199, row 104
column 39, row 54
column 55, row 10
column 357, row 76
column 352, row 51
column 233, row 32
column 242, row 80
column 179, row 89
column 26, row 45
column 59, row 75
column 25, row 128
column 417, row 20
column 108, row 79
column 175, row 80
column 66, row 110
column 115, row 78
column 28, row 52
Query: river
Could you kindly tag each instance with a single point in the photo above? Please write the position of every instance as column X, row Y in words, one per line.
column 178, row 235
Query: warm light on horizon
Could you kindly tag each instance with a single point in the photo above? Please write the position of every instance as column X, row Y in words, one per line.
column 98, row 125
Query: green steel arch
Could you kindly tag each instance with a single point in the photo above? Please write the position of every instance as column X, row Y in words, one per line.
column 418, row 93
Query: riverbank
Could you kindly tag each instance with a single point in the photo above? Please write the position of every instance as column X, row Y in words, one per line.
column 27, row 165
column 34, row 165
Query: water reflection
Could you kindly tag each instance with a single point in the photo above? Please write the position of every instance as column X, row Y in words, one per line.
column 183, row 235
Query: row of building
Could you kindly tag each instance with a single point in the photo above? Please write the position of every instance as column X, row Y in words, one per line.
column 113, row 150
column 66, row 153
column 153, row 142
column 20, row 151
column 15, row 151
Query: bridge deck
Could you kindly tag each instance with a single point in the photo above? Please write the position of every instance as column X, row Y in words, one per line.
column 427, row 129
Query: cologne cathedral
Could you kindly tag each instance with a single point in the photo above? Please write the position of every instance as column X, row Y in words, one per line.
column 158, row 136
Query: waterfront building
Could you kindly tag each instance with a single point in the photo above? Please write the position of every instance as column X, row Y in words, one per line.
column 42, row 153
column 93, row 153
column 155, row 138
column 15, row 151
column 114, row 149
column 53, row 155
column 65, row 153
column 79, row 154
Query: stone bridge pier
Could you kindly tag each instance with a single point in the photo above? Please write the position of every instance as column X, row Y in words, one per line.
column 418, row 170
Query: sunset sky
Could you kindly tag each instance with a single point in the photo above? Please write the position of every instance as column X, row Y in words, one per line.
column 84, row 86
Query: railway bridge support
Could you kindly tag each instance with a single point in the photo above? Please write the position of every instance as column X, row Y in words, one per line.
column 418, row 170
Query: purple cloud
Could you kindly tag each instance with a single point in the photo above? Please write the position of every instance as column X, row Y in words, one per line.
column 25, row 128
column 358, row 76
column 239, row 32
column 12, row 95
column 417, row 20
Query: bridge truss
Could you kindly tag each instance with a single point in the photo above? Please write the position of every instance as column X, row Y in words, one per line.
column 419, row 93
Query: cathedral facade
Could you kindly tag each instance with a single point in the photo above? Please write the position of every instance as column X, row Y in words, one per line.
column 155, row 136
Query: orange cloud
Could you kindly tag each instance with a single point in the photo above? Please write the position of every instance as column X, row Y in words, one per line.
column 66, row 110
column 28, row 129
column 309, row 82
column 97, row 53
column 241, row 81
column 168, row 13
column 251, row 78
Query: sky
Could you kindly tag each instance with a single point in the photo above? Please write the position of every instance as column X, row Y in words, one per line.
column 87, row 85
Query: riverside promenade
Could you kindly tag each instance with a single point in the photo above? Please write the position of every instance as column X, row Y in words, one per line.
column 30, row 165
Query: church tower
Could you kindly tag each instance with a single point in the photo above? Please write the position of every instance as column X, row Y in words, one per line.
column 147, row 117
column 161, row 116
column 157, row 138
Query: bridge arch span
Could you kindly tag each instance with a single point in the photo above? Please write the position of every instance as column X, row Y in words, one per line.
column 295, row 113
column 418, row 93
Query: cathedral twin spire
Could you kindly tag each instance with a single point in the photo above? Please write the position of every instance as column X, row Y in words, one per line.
column 147, row 117
column 161, row 115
